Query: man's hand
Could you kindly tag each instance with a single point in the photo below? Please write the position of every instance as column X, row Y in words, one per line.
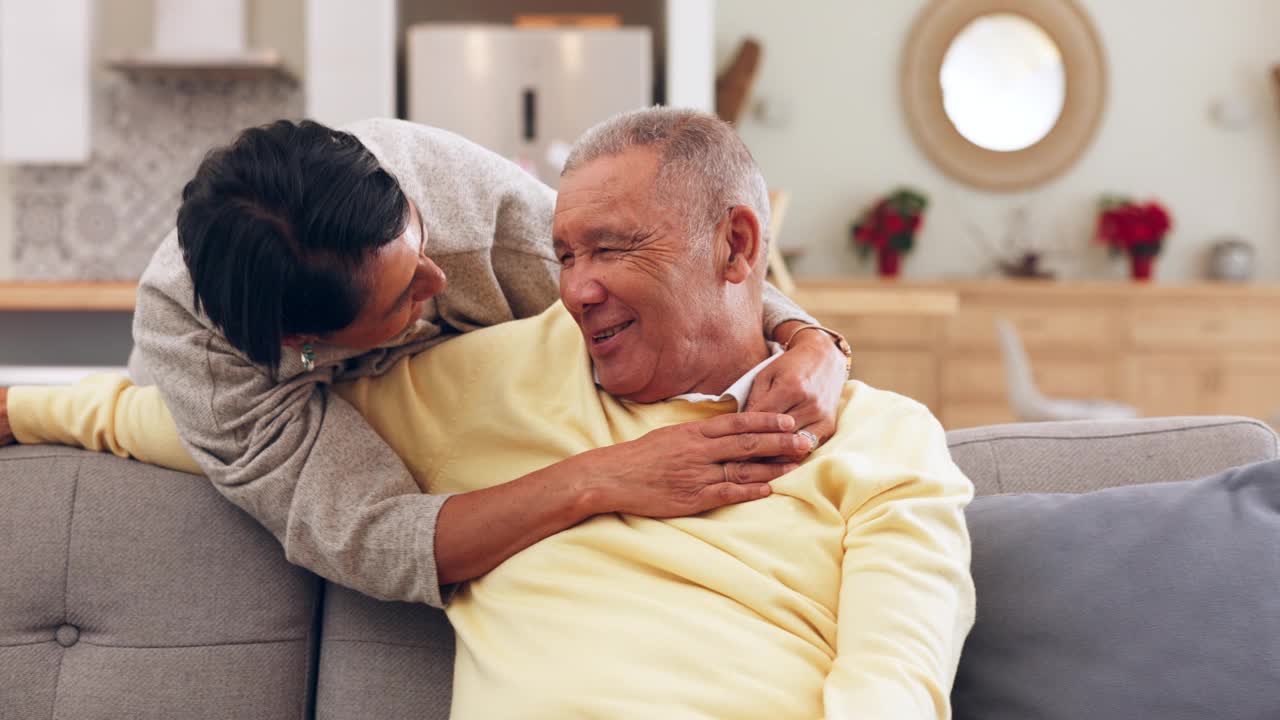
column 805, row 383
column 6, row 430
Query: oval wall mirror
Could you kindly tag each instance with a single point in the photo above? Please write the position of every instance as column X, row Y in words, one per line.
column 1004, row 94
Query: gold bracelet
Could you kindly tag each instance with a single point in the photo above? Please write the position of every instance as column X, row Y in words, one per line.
column 841, row 344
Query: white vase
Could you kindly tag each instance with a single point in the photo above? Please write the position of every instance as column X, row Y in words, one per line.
column 1231, row 260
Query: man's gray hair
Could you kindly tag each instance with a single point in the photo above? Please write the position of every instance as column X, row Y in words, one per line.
column 703, row 166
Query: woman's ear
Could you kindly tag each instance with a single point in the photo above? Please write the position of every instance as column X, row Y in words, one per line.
column 295, row 342
column 744, row 241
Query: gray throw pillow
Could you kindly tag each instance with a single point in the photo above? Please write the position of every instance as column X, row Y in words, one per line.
column 1154, row 601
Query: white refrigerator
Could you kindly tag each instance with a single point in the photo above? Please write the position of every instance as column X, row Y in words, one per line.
column 526, row 94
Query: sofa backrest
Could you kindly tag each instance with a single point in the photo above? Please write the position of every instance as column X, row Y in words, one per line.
column 127, row 591
column 383, row 659
column 1083, row 456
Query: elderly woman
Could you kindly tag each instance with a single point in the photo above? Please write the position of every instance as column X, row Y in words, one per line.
column 844, row 594
column 304, row 256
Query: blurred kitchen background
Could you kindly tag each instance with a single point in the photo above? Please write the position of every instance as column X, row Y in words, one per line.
column 1006, row 304
column 108, row 105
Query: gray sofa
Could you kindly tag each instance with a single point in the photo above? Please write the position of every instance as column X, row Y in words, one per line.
column 132, row 592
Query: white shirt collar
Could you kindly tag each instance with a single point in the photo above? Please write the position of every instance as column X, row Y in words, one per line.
column 738, row 391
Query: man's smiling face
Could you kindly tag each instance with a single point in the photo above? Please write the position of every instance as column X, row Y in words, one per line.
column 639, row 289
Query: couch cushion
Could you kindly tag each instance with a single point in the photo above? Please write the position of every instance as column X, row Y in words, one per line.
column 1083, row 456
column 131, row 591
column 1153, row 601
column 383, row 659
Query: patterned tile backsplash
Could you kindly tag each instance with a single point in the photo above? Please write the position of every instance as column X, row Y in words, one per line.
column 104, row 219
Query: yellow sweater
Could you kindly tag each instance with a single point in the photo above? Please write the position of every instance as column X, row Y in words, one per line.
column 844, row 594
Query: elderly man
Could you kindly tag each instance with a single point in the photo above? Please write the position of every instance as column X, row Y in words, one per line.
column 845, row 593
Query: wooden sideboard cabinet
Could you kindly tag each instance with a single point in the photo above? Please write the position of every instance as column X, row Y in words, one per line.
column 895, row 331
column 1169, row 350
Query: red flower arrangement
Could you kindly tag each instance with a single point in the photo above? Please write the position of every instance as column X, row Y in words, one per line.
column 1137, row 230
column 889, row 228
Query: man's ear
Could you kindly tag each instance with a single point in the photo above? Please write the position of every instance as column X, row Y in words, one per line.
column 744, row 240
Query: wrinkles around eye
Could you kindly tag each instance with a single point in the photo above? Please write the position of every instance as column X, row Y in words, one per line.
column 567, row 259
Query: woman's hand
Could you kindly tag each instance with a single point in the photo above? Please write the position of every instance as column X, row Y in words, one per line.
column 690, row 468
column 670, row 472
column 805, row 383
column 6, row 430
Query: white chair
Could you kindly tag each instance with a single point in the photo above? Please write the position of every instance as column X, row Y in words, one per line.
column 1030, row 405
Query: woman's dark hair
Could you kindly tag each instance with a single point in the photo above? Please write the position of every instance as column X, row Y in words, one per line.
column 275, row 228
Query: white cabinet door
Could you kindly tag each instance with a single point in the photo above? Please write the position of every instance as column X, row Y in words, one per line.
column 351, row 60
column 44, row 80
column 691, row 72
